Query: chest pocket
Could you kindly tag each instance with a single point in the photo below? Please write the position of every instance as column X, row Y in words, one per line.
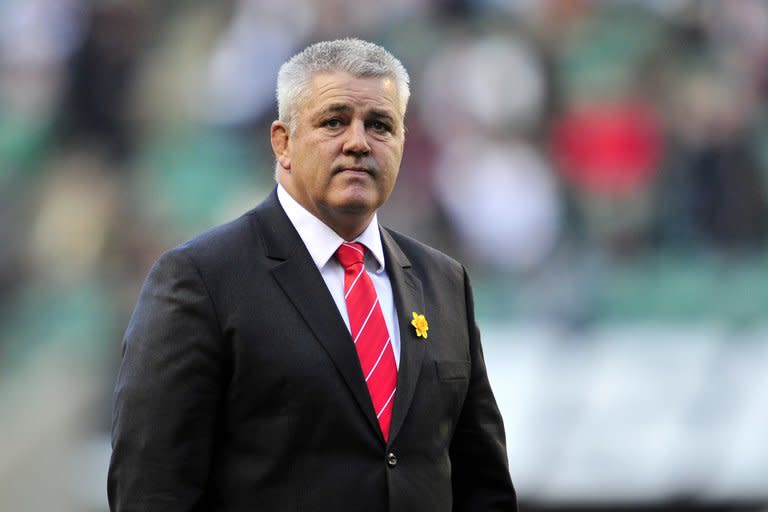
column 452, row 370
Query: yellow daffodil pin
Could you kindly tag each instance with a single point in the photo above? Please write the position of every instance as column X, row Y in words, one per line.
column 421, row 325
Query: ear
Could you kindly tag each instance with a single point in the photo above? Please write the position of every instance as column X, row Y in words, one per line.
column 280, row 136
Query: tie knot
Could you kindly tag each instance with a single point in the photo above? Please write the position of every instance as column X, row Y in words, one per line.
column 350, row 254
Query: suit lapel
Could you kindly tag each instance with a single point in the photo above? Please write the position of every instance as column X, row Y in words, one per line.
column 297, row 275
column 409, row 298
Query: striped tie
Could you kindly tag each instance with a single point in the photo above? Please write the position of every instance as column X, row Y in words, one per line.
column 369, row 332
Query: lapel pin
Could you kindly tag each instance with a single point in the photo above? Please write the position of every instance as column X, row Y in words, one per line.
column 421, row 325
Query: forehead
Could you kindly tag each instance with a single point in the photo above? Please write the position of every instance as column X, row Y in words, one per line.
column 358, row 93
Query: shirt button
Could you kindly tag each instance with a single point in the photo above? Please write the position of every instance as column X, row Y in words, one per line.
column 391, row 460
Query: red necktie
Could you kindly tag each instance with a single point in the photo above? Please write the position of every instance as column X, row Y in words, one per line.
column 370, row 333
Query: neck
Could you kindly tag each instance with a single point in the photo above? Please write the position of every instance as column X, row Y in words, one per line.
column 347, row 226
column 348, row 223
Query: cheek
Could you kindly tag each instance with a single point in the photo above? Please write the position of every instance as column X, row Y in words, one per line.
column 394, row 158
column 388, row 184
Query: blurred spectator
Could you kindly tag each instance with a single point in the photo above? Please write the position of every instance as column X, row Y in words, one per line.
column 103, row 72
column 37, row 37
column 609, row 153
column 713, row 192
column 608, row 149
column 498, row 193
column 502, row 200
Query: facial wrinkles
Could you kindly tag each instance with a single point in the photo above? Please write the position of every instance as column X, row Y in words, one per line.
column 362, row 99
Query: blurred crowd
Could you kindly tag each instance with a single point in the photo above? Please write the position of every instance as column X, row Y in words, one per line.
column 589, row 161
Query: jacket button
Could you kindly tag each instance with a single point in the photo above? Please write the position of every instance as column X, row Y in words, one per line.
column 391, row 460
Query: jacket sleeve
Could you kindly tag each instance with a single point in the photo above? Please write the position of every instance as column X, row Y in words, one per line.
column 480, row 471
column 168, row 393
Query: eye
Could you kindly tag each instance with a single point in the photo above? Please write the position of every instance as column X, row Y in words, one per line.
column 334, row 122
column 380, row 126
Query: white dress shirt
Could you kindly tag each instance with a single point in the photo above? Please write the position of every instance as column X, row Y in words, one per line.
column 321, row 242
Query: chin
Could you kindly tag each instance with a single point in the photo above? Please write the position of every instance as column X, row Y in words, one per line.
column 356, row 206
column 358, row 201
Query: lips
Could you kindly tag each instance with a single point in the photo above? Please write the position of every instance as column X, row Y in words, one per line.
column 356, row 169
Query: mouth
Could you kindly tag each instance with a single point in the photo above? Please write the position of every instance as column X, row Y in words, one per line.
column 356, row 169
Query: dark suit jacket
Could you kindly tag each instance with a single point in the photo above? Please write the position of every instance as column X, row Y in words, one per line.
column 240, row 388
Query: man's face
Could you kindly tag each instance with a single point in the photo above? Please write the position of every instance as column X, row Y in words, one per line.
column 342, row 161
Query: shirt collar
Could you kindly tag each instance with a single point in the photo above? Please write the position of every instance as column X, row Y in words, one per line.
column 321, row 241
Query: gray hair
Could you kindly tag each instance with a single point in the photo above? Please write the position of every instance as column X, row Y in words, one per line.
column 356, row 57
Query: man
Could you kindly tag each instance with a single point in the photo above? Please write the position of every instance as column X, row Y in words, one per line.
column 301, row 357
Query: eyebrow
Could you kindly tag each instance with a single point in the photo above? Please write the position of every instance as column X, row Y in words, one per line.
column 344, row 108
column 382, row 115
column 335, row 107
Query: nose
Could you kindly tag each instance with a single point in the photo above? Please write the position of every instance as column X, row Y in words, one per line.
column 356, row 142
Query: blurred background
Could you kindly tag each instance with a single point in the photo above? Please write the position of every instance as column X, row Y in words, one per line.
column 601, row 168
